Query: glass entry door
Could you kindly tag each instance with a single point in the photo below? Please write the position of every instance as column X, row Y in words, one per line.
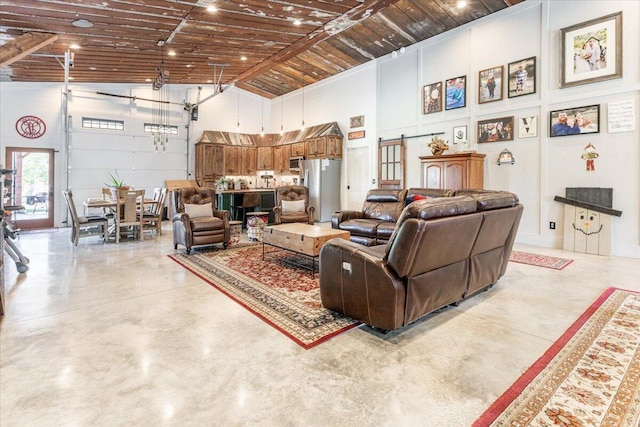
column 31, row 187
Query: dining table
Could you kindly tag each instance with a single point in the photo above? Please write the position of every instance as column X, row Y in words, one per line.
column 112, row 205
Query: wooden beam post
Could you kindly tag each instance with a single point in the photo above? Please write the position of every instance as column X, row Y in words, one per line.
column 24, row 45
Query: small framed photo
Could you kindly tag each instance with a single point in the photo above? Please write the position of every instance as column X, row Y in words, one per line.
column 459, row 134
column 432, row 98
column 522, row 77
column 456, row 93
column 490, row 85
column 528, row 127
column 492, row 130
column 592, row 51
column 357, row 121
column 574, row 121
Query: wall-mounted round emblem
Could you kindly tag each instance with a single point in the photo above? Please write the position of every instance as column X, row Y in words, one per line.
column 31, row 127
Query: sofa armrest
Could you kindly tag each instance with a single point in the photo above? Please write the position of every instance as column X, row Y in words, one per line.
column 224, row 216
column 184, row 219
column 354, row 281
column 311, row 211
column 343, row 216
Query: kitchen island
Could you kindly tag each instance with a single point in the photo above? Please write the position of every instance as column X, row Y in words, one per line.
column 228, row 198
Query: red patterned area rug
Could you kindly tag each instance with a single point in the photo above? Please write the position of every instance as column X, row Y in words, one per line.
column 287, row 298
column 589, row 377
column 539, row 260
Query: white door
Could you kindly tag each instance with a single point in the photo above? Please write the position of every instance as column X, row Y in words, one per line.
column 358, row 176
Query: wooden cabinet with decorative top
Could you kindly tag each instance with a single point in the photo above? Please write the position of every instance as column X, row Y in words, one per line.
column 281, row 155
column 453, row 171
column 298, row 149
column 334, row 147
column 265, row 158
column 249, row 160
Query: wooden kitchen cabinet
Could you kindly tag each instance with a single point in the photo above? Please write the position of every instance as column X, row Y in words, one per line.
column 209, row 161
column 265, row 158
column 249, row 160
column 281, row 155
column 453, row 171
column 298, row 149
column 232, row 160
column 334, row 147
column 316, row 148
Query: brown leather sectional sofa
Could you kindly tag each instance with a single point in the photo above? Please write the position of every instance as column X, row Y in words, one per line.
column 441, row 251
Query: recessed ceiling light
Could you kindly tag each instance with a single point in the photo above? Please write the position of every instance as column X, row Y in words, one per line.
column 172, row 53
column 147, row 80
column 269, row 43
column 74, row 46
column 297, row 22
column 211, row 8
column 82, row 23
column 70, row 78
column 92, row 68
column 243, row 58
column 461, row 4
column 189, row 65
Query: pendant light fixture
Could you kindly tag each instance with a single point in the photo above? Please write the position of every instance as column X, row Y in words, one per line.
column 302, row 126
column 238, row 121
column 161, row 101
column 262, row 116
column 282, row 110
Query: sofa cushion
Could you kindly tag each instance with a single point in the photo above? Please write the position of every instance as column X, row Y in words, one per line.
column 385, row 230
column 361, row 227
column 204, row 223
column 495, row 200
column 197, row 211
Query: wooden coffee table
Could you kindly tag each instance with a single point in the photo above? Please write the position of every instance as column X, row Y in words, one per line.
column 300, row 238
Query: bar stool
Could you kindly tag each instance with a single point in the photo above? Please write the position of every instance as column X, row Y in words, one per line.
column 250, row 201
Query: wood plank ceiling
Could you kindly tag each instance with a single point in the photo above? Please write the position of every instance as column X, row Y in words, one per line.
column 269, row 47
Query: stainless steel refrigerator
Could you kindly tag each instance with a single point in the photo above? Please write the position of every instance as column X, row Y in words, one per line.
column 322, row 176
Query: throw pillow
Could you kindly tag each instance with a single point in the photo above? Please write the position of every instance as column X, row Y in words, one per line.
column 292, row 206
column 419, row 197
column 198, row 211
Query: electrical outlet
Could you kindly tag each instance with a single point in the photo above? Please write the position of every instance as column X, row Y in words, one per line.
column 552, row 225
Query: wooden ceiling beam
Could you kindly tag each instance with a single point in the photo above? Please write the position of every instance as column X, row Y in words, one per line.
column 24, row 45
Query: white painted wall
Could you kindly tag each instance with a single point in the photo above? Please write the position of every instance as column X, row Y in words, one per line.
column 388, row 92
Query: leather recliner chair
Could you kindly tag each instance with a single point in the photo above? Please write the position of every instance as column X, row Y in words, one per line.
column 199, row 229
column 293, row 193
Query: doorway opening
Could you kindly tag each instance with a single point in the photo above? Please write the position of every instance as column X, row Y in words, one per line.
column 31, row 187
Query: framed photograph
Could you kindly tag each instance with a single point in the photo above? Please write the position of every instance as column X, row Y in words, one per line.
column 492, row 130
column 432, row 98
column 490, row 85
column 592, row 51
column 357, row 121
column 574, row 121
column 527, row 127
column 459, row 134
column 456, row 93
column 522, row 77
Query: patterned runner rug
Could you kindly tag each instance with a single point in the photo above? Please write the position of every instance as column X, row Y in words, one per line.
column 287, row 298
column 539, row 260
column 589, row 377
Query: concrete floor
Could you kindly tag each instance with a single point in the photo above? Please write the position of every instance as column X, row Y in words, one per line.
column 121, row 335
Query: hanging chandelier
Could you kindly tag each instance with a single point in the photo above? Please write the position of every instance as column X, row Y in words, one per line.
column 161, row 101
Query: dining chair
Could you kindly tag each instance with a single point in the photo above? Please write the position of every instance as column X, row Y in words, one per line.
column 250, row 201
column 152, row 217
column 129, row 213
column 83, row 226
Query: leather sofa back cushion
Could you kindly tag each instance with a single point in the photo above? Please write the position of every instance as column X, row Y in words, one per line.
column 384, row 204
column 199, row 211
column 496, row 200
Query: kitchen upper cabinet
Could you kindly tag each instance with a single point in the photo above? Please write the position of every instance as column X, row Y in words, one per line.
column 265, row 158
column 453, row 171
column 281, row 155
column 209, row 161
column 334, row 147
column 249, row 159
column 232, row 160
column 297, row 149
column 316, row 148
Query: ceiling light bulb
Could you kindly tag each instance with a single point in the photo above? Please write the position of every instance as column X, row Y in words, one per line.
column 297, row 22
column 172, row 53
column 262, row 131
column 211, row 8
column 402, row 49
column 74, row 46
column 243, row 58
column 238, row 127
column 281, row 130
column 82, row 23
column 461, row 4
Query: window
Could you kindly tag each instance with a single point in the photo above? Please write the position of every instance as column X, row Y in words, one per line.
column 102, row 124
column 152, row 128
